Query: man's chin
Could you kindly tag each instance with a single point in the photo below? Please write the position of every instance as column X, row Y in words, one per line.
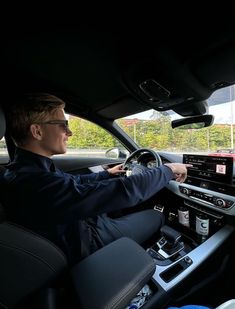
column 61, row 151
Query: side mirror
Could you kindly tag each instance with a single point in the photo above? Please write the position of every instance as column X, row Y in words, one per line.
column 116, row 153
column 193, row 122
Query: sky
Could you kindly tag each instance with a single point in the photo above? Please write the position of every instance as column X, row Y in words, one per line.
column 224, row 113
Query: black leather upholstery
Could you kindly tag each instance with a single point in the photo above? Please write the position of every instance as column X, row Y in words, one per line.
column 27, row 262
column 2, row 123
column 2, row 212
column 112, row 276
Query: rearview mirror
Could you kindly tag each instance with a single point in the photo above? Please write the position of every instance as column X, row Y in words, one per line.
column 193, row 122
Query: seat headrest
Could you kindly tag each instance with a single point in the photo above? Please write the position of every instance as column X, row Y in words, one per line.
column 2, row 123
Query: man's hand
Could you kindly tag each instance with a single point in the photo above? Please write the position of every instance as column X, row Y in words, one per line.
column 116, row 170
column 179, row 170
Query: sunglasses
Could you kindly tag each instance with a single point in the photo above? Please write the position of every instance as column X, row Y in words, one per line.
column 62, row 123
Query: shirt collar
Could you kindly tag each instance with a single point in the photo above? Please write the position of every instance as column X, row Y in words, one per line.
column 26, row 157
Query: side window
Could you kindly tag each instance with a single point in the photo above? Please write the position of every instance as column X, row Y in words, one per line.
column 90, row 140
column 4, row 157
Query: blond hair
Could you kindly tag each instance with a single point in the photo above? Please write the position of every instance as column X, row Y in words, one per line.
column 31, row 108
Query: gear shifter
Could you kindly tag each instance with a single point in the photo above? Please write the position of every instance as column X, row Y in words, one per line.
column 170, row 243
column 172, row 236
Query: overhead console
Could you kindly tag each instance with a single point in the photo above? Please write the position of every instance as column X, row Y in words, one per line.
column 161, row 83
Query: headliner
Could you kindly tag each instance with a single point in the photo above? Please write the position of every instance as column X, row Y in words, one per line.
column 98, row 70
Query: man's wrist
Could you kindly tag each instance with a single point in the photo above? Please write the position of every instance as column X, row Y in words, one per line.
column 171, row 167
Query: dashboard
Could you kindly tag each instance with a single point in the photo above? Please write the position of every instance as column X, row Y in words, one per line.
column 208, row 199
column 210, row 172
column 209, row 183
column 208, row 196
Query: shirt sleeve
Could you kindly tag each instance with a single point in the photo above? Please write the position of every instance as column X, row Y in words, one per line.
column 89, row 178
column 71, row 198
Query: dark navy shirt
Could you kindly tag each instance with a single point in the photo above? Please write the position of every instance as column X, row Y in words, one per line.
column 43, row 198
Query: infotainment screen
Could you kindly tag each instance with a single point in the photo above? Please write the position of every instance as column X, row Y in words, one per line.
column 212, row 168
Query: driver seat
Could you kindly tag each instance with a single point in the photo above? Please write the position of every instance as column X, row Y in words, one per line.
column 28, row 263
column 34, row 271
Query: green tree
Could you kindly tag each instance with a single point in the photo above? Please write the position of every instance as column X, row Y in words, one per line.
column 89, row 135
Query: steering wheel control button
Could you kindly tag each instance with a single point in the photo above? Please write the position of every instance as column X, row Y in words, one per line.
column 128, row 173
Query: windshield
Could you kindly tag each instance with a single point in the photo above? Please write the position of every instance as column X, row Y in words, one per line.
column 152, row 129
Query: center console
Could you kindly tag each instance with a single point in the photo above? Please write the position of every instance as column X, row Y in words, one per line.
column 171, row 275
column 205, row 201
column 198, row 240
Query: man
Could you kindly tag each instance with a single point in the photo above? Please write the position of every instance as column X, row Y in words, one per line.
column 71, row 210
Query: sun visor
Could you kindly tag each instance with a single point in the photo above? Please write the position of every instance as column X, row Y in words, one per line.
column 122, row 108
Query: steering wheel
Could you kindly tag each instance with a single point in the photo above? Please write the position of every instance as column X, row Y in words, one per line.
column 136, row 166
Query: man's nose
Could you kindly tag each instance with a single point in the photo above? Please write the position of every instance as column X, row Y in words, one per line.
column 69, row 132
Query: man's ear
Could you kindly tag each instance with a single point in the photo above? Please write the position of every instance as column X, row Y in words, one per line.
column 36, row 131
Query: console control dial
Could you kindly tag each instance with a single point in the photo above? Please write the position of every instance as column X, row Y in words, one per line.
column 220, row 202
column 210, row 199
column 185, row 191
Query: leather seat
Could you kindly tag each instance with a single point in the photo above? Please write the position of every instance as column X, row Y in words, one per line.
column 27, row 263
